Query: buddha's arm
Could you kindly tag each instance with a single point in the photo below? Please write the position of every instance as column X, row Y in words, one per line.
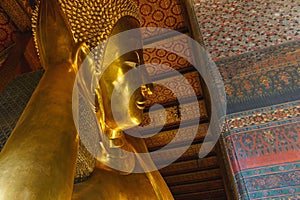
column 38, row 160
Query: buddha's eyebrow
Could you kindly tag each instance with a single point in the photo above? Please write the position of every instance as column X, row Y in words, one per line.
column 130, row 63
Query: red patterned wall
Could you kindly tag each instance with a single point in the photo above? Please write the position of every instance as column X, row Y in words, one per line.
column 7, row 31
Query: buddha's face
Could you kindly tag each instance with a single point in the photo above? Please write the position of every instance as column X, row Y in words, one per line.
column 128, row 114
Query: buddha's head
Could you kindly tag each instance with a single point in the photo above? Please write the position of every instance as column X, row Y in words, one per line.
column 93, row 22
column 127, row 106
column 64, row 25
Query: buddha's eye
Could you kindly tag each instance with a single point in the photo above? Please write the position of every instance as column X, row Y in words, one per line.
column 141, row 104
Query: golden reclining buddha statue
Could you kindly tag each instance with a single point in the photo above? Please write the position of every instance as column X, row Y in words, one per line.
column 44, row 154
